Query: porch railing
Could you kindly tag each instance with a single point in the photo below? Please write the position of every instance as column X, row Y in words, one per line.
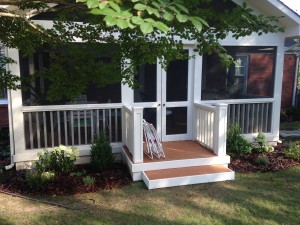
column 252, row 117
column 211, row 126
column 49, row 126
column 133, row 132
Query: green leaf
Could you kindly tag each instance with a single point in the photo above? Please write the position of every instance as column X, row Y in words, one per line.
column 161, row 26
column 81, row 0
column 151, row 11
column 105, row 12
column 110, row 21
column 202, row 21
column 174, row 9
column 150, row 20
column 135, row 0
column 182, row 18
column 102, row 5
column 126, row 14
column 155, row 4
column 164, row 3
column 140, row 7
column 184, row 9
column 196, row 23
column 168, row 16
column 92, row 4
column 114, row 6
column 122, row 23
column 146, row 27
column 137, row 20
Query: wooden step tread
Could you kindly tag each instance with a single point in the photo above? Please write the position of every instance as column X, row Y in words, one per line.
column 185, row 171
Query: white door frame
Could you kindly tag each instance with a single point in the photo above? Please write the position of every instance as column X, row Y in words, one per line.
column 188, row 103
column 161, row 104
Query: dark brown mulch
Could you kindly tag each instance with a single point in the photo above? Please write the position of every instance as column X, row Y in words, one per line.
column 277, row 161
column 115, row 177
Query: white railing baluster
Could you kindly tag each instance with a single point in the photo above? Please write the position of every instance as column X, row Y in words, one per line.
column 52, row 130
column 110, row 128
column 38, row 130
column 103, row 122
column 85, row 128
column 45, row 130
column 30, row 130
column 92, row 125
column 58, row 127
column 66, row 128
column 72, row 128
column 116, row 125
column 78, row 128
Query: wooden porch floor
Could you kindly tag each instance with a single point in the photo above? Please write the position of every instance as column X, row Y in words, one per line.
column 178, row 150
column 187, row 171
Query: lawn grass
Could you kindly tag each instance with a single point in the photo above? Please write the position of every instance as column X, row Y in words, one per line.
column 295, row 125
column 254, row 198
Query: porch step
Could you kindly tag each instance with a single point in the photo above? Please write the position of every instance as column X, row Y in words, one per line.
column 187, row 175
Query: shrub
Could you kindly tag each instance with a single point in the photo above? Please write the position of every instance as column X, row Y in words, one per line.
column 59, row 160
column 101, row 153
column 36, row 180
column 262, row 161
column 236, row 144
column 293, row 150
column 261, row 144
column 88, row 181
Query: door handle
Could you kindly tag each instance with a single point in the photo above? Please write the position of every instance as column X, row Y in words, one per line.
column 158, row 105
column 164, row 104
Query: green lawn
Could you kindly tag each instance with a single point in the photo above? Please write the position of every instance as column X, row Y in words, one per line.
column 295, row 125
column 254, row 198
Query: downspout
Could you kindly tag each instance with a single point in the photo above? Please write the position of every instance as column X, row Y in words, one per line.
column 11, row 134
column 11, row 130
column 295, row 81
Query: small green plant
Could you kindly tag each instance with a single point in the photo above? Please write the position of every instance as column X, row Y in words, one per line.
column 261, row 145
column 59, row 160
column 262, row 161
column 236, row 144
column 88, row 181
column 293, row 150
column 36, row 180
column 78, row 173
column 101, row 153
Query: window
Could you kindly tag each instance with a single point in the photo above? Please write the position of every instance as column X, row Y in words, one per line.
column 251, row 75
column 37, row 93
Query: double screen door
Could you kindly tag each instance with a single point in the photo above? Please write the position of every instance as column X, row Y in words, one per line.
column 166, row 96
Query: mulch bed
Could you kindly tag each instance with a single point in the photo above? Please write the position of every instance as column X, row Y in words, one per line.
column 115, row 177
column 118, row 175
column 276, row 161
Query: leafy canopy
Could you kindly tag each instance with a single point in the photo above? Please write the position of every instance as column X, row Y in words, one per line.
column 142, row 31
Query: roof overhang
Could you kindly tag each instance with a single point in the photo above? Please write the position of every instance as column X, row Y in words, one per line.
column 288, row 18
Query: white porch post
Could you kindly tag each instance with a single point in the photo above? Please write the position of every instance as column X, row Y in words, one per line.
column 16, row 115
column 137, row 135
column 220, row 129
column 277, row 91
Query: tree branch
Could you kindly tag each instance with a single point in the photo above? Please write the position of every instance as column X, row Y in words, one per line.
column 17, row 2
column 30, row 23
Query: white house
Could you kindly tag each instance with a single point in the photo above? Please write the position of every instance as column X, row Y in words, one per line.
column 189, row 103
